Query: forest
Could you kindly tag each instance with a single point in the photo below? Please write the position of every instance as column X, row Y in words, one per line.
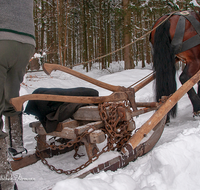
column 83, row 31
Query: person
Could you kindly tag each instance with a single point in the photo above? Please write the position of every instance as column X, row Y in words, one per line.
column 17, row 45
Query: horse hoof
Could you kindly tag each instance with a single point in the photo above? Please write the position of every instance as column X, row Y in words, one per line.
column 196, row 114
column 167, row 123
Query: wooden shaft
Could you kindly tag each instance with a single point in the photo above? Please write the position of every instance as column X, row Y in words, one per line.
column 147, row 104
column 48, row 68
column 114, row 97
column 144, row 82
column 142, row 111
column 161, row 112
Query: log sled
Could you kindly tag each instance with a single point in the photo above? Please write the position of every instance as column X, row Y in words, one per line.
column 87, row 123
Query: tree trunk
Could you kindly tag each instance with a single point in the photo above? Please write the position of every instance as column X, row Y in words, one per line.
column 102, row 36
column 85, row 42
column 127, row 51
column 65, row 39
column 109, row 35
column 59, row 33
column 43, row 25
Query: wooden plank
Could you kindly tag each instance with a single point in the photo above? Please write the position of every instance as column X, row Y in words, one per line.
column 67, row 133
column 69, row 123
column 32, row 158
column 41, row 146
column 39, row 129
column 97, row 136
column 26, row 161
column 91, row 148
column 131, row 126
column 91, row 113
column 70, row 129
column 124, row 113
column 98, row 124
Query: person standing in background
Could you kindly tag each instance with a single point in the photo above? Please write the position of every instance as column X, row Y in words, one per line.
column 17, row 45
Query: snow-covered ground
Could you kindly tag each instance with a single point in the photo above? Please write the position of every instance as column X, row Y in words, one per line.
column 174, row 163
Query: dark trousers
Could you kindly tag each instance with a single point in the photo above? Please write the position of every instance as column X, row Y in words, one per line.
column 14, row 57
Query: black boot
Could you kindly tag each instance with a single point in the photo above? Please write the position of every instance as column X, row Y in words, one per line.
column 14, row 128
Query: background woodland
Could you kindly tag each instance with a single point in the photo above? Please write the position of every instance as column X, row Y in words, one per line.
column 72, row 32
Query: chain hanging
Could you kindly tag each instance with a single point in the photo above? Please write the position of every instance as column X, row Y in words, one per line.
column 116, row 131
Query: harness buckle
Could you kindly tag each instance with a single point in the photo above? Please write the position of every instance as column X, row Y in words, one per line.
column 184, row 13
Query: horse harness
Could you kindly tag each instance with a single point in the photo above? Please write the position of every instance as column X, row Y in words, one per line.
column 177, row 42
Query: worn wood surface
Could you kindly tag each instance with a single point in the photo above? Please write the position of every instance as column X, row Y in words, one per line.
column 114, row 97
column 121, row 161
column 48, row 68
column 32, row 158
column 162, row 111
column 91, row 113
column 70, row 129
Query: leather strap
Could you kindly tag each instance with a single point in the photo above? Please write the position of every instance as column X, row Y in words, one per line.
column 195, row 23
column 190, row 43
column 177, row 41
column 178, row 36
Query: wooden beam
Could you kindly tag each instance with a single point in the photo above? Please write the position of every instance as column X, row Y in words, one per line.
column 161, row 112
column 48, row 68
column 114, row 97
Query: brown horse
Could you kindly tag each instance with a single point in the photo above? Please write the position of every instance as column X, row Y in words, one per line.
column 177, row 38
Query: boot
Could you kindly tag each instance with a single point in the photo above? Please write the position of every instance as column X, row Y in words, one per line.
column 14, row 128
column 6, row 179
column 2, row 134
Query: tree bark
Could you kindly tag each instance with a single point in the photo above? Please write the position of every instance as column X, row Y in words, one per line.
column 127, row 51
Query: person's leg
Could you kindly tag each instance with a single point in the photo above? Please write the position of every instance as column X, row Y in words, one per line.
column 15, row 74
column 3, row 74
column 21, row 54
column 6, row 58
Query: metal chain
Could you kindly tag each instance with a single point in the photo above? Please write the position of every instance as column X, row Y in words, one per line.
column 115, row 129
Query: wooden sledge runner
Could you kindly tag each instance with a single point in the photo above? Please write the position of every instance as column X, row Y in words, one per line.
column 133, row 148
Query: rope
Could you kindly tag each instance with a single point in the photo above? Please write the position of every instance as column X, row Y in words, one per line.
column 129, row 43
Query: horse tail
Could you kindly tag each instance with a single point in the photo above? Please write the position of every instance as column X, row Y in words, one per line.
column 164, row 64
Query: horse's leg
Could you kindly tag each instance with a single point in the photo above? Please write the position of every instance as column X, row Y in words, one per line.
column 194, row 98
column 198, row 88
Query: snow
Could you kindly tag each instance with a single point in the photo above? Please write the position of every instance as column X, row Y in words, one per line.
column 195, row 3
column 172, row 164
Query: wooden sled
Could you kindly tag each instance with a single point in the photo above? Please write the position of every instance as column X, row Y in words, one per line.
column 141, row 142
column 82, row 120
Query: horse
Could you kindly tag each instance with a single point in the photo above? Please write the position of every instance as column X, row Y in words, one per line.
column 176, row 37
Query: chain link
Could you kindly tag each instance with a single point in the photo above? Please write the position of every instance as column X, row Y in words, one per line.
column 115, row 129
